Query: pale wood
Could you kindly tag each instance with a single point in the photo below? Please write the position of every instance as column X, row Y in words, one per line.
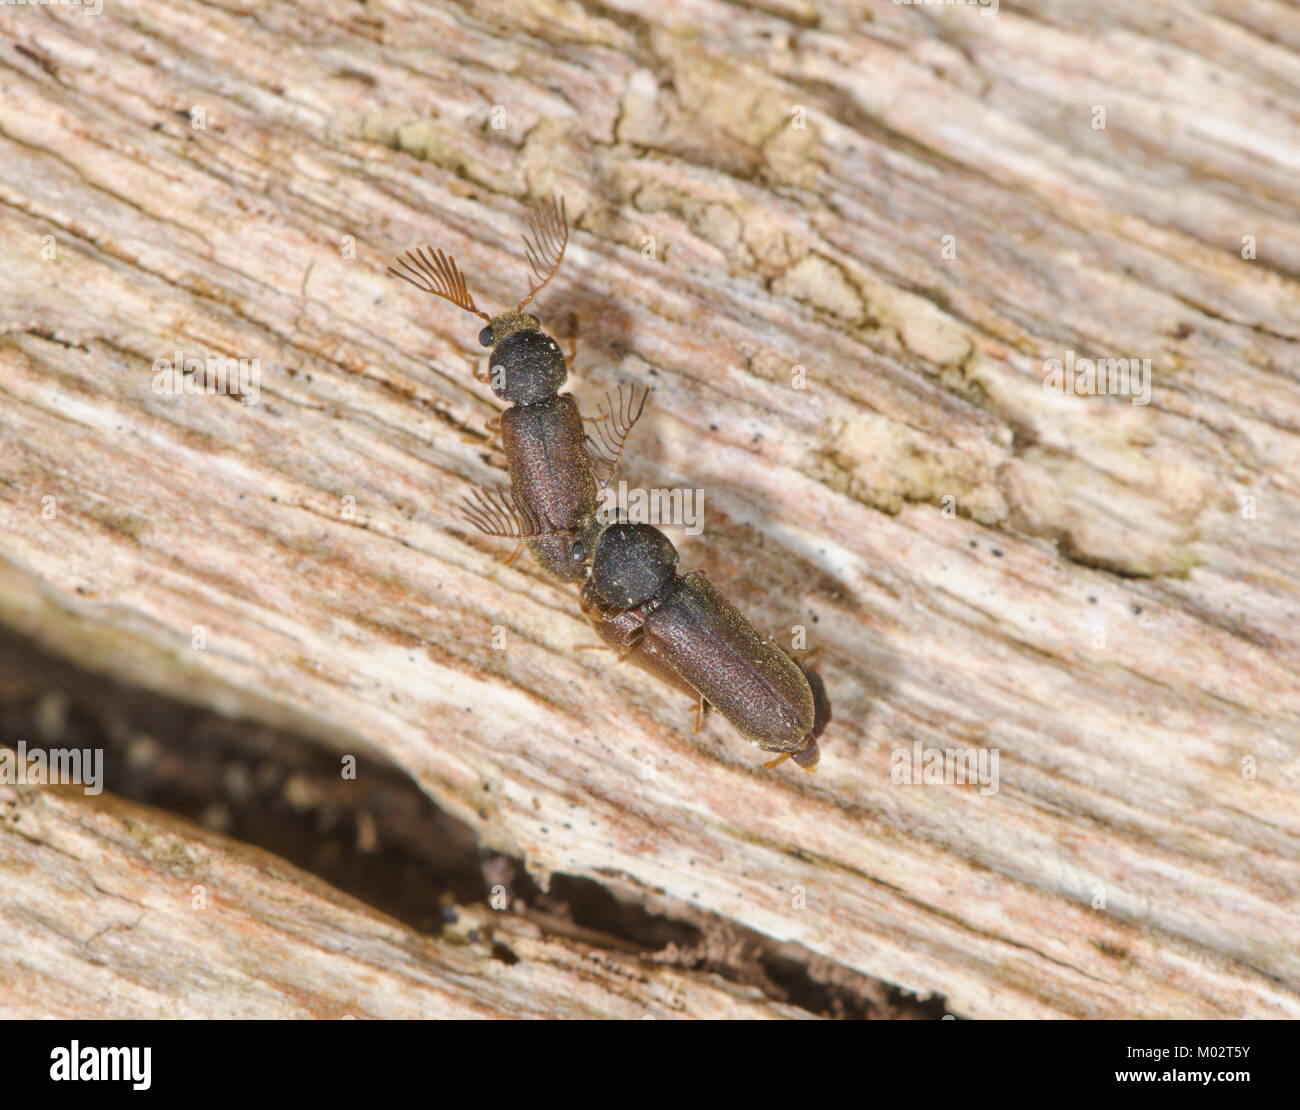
column 126, row 912
column 1075, row 518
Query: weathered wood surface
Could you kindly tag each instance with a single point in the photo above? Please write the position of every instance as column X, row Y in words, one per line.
column 1111, row 605
column 125, row 912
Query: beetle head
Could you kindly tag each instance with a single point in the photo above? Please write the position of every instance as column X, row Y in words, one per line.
column 505, row 324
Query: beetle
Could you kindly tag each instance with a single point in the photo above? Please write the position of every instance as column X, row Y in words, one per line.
column 556, row 469
column 682, row 629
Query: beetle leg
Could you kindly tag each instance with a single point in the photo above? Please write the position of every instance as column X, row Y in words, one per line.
column 492, row 425
column 800, row 657
column 701, row 712
column 573, row 339
column 806, row 757
column 621, row 652
column 491, row 455
column 513, row 555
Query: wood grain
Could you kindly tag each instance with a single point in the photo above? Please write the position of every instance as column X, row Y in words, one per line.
column 1102, row 592
column 129, row 913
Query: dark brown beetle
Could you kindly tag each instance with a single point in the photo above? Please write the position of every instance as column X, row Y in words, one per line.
column 681, row 629
column 556, row 469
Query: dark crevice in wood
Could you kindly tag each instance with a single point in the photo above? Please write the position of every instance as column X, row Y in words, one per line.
column 378, row 837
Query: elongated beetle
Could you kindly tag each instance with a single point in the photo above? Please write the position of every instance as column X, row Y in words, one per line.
column 683, row 630
column 679, row 628
column 556, row 469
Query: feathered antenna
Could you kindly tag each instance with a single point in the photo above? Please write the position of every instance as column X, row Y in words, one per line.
column 436, row 273
column 613, row 423
column 549, row 226
column 494, row 511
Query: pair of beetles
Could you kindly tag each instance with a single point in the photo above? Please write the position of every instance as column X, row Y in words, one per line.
column 677, row 627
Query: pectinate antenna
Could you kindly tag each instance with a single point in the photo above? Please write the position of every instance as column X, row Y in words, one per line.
column 613, row 423
column 548, row 228
column 435, row 273
column 494, row 511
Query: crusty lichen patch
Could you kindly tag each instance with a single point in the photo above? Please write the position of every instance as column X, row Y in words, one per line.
column 1095, row 475
column 886, row 464
column 822, row 284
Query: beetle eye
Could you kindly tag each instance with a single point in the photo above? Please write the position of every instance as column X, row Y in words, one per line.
column 485, row 336
column 579, row 553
